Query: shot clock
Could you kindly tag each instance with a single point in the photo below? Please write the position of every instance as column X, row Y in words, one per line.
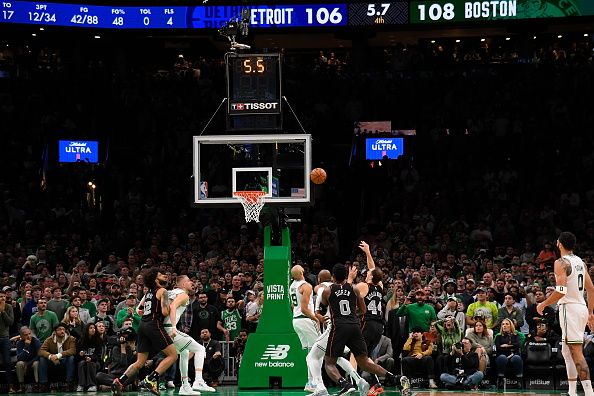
column 253, row 84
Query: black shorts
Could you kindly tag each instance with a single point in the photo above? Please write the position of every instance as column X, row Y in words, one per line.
column 372, row 333
column 342, row 335
column 152, row 337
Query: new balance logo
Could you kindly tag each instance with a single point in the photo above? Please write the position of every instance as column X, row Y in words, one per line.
column 277, row 352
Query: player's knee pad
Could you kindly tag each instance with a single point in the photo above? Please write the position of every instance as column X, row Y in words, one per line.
column 197, row 348
column 569, row 364
column 565, row 351
column 316, row 353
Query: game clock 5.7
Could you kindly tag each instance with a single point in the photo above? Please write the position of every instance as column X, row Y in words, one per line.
column 366, row 14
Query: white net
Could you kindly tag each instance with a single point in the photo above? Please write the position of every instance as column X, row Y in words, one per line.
column 252, row 202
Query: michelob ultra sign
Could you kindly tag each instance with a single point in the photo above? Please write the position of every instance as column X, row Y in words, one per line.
column 78, row 151
column 378, row 148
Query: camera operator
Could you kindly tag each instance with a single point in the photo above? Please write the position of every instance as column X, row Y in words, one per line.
column 463, row 367
column 239, row 346
column 122, row 356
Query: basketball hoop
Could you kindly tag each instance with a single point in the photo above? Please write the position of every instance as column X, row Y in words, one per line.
column 252, row 202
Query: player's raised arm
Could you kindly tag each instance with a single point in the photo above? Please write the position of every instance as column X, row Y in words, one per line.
column 162, row 296
column 562, row 270
column 360, row 301
column 140, row 307
column 365, row 247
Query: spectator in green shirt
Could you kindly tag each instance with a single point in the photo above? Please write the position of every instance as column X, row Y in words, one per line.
column 482, row 308
column 129, row 312
column 84, row 298
column 419, row 314
column 43, row 322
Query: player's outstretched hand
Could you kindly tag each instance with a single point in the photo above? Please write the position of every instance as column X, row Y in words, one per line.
column 364, row 246
column 353, row 271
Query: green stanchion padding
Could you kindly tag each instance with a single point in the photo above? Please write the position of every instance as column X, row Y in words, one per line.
column 274, row 351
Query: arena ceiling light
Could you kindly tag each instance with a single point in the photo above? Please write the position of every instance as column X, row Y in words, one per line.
column 458, row 40
column 560, row 36
column 586, row 35
column 507, row 38
column 97, row 37
column 432, row 41
column 483, row 40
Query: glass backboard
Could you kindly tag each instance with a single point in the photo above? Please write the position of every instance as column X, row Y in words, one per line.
column 278, row 164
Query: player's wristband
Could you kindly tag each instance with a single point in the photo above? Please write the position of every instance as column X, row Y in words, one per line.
column 561, row 289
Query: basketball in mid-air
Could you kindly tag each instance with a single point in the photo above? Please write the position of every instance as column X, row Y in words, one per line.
column 318, row 176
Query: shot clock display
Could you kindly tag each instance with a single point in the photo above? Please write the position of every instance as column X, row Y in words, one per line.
column 254, row 85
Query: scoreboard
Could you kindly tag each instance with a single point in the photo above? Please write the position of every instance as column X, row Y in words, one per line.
column 289, row 15
column 202, row 17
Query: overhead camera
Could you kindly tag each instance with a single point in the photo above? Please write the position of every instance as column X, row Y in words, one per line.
column 237, row 26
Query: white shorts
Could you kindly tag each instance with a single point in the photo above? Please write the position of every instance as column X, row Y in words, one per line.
column 573, row 319
column 307, row 331
column 322, row 341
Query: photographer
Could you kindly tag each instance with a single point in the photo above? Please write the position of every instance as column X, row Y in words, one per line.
column 463, row 367
column 239, row 346
column 122, row 356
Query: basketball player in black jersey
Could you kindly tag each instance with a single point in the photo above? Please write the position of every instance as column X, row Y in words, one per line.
column 372, row 322
column 152, row 337
column 342, row 299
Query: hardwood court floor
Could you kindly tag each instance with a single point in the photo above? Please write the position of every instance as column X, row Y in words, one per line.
column 233, row 391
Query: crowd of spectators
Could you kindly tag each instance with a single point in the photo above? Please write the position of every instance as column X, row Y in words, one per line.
column 463, row 226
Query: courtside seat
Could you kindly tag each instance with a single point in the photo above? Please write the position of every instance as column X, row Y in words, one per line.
column 539, row 366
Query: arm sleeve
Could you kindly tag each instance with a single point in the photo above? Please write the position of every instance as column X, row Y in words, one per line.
column 402, row 311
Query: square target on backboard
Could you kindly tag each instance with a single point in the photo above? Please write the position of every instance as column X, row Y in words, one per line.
column 278, row 164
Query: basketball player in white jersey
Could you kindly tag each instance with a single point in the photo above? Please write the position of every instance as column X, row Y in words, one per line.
column 184, row 343
column 315, row 357
column 571, row 278
column 305, row 322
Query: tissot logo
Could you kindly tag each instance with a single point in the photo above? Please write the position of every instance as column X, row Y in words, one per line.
column 276, row 352
column 254, row 106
